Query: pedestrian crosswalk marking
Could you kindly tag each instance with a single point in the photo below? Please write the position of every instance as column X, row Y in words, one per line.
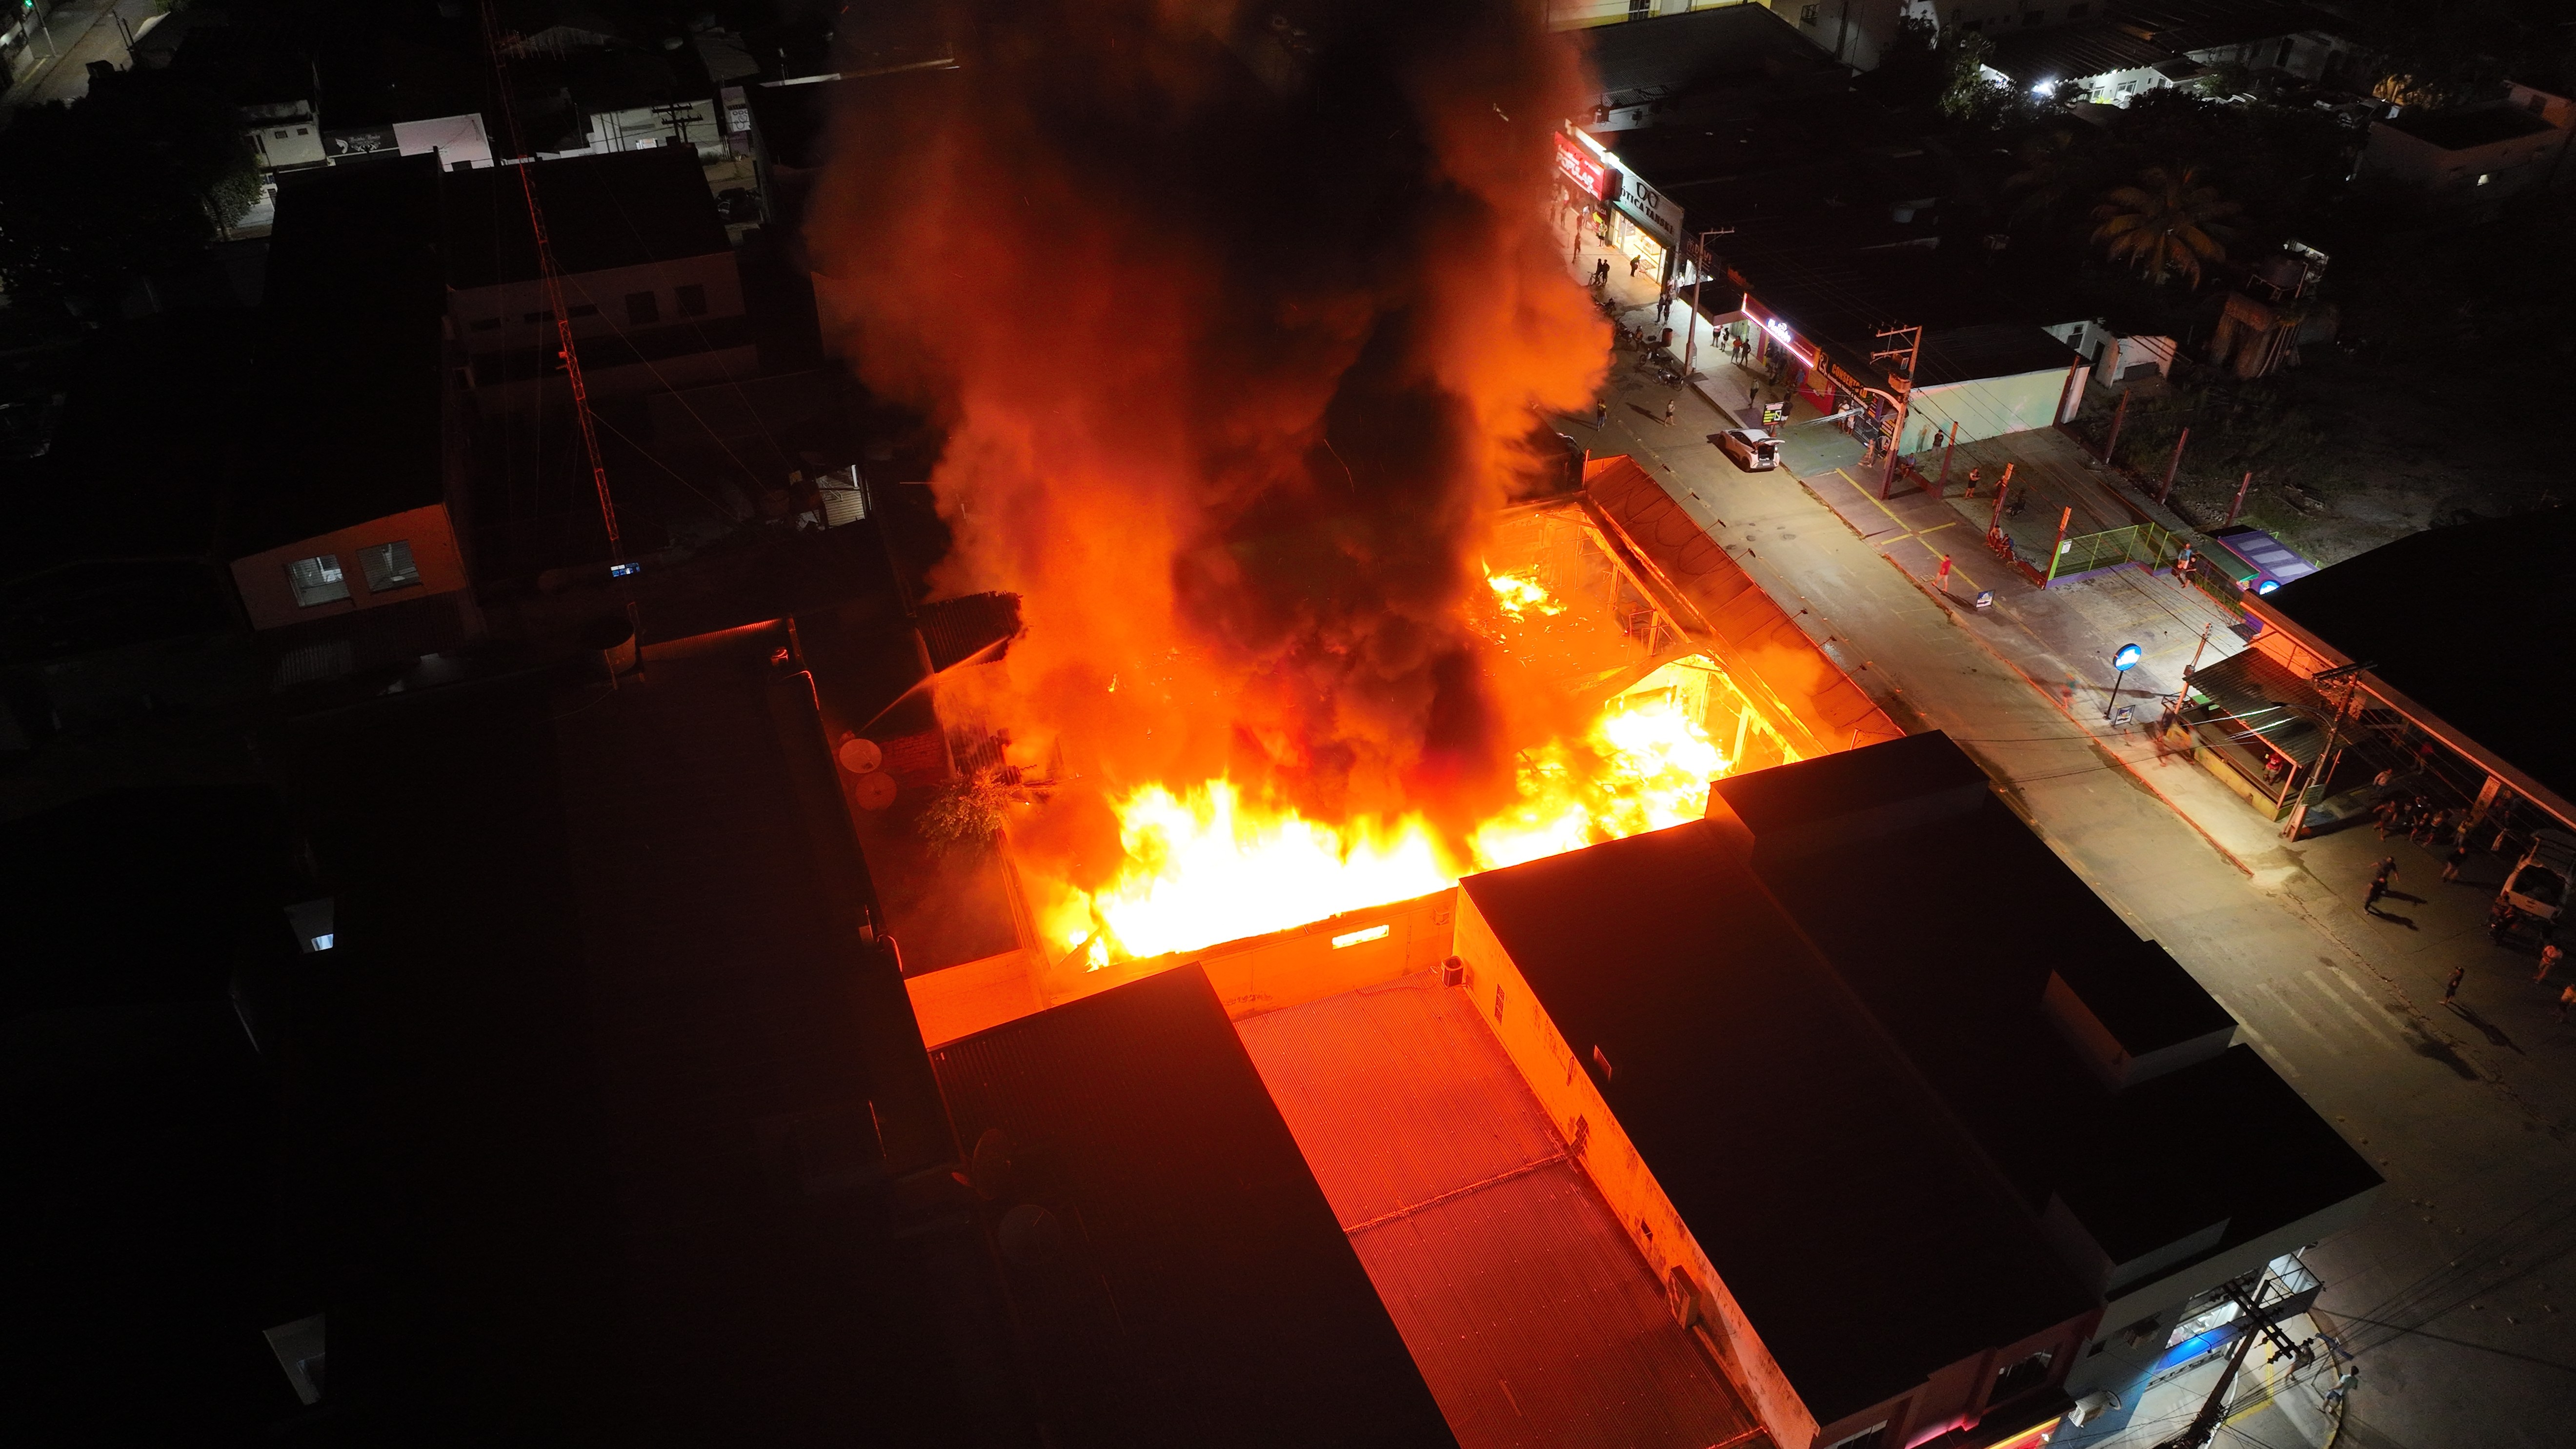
column 2347, row 1008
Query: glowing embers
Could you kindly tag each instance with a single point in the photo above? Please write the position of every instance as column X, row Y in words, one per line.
column 1211, row 865
column 1520, row 596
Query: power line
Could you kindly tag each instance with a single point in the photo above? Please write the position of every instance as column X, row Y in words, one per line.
column 553, row 278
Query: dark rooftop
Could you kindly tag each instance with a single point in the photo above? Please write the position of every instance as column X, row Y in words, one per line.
column 594, row 1076
column 1177, row 1272
column 1882, row 1247
column 1957, row 984
column 2470, row 656
column 2073, row 52
column 623, row 209
column 1678, row 53
column 352, row 348
column 2465, row 129
column 1991, row 349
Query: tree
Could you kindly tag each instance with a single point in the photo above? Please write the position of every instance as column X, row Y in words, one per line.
column 2051, row 167
column 135, row 177
column 2166, row 224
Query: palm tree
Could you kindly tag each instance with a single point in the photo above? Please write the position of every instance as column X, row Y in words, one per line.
column 2049, row 168
column 2166, row 224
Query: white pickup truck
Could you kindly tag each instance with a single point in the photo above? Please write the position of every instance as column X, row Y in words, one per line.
column 2538, row 885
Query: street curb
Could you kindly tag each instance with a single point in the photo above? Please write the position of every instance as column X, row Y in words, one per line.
column 1950, row 608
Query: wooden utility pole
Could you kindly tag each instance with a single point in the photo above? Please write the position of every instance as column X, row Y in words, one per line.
column 1912, row 351
column 2058, row 550
column 2172, row 466
column 2238, row 506
column 1995, row 524
column 2118, row 414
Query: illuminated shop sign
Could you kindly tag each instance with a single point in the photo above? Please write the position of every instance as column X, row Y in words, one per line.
column 1589, row 176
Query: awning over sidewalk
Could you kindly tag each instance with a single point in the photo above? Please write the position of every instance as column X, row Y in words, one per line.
column 2260, row 697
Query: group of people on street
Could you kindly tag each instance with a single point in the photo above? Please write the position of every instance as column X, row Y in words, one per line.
column 2500, row 918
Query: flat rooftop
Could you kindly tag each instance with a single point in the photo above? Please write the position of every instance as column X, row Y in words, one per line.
column 1177, row 1276
column 1882, row 1248
column 1530, row 1314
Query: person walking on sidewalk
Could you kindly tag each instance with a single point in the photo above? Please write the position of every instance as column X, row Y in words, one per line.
column 2459, row 857
column 1600, row 415
column 2451, row 987
column 2550, row 956
column 1668, row 412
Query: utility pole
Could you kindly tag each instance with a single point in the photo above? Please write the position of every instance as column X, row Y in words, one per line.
column 553, row 277
column 1699, row 273
column 2119, row 414
column 2173, row 466
column 2314, row 790
column 2213, row 1410
column 1913, row 353
column 2238, row 506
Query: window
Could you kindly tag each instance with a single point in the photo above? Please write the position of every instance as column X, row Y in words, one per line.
column 692, row 300
column 2282, row 58
column 1807, row 13
column 641, row 308
column 2020, row 1379
column 304, row 130
column 317, row 580
column 1498, row 1001
column 389, row 566
column 482, row 324
column 1640, row 9
column 582, row 309
column 277, row 135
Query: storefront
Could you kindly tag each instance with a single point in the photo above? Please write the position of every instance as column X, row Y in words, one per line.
column 1641, row 222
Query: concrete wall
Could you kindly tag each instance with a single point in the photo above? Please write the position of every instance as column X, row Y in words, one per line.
column 1990, row 407
column 1251, row 976
column 1504, row 1002
column 2400, row 167
column 269, row 598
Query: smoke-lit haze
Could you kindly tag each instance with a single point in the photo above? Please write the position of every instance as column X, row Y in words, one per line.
column 1235, row 318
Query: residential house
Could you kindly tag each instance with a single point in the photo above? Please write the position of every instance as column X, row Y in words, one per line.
column 343, row 546
column 2129, row 47
column 2470, row 161
column 649, row 282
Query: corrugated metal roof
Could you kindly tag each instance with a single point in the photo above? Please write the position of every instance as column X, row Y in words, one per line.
column 1531, row 1315
column 2074, row 52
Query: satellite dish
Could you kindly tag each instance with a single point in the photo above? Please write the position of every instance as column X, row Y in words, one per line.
column 859, row 755
column 1030, row 1236
column 875, row 791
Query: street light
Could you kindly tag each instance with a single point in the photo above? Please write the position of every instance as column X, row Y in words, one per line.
column 2124, row 661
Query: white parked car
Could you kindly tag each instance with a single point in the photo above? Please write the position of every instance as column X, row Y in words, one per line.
column 1754, row 451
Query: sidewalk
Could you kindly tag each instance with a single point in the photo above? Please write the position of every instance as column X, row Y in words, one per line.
column 2502, row 1029
column 74, row 35
column 2268, row 1404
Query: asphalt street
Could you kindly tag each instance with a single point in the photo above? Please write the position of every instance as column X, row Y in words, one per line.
column 2444, row 1293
